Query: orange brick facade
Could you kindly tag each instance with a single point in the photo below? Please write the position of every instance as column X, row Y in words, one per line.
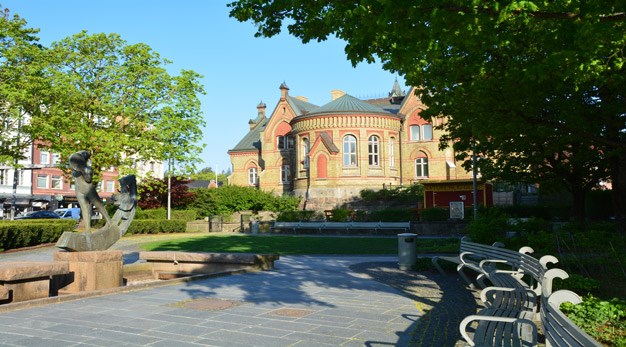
column 328, row 154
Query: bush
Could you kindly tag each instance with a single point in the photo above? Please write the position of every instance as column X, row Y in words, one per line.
column 161, row 213
column 604, row 320
column 397, row 195
column 157, row 226
column 434, row 214
column 391, row 215
column 229, row 199
column 18, row 234
column 299, row 216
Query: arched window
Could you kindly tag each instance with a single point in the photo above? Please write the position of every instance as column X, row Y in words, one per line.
column 373, row 150
column 253, row 176
column 421, row 167
column 349, row 151
column 414, row 130
column 427, row 132
column 285, row 173
column 392, row 152
column 305, row 153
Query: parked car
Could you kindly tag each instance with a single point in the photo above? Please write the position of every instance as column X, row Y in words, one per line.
column 39, row 215
column 73, row 212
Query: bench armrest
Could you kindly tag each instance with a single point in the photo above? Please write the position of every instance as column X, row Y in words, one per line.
column 467, row 321
column 483, row 263
column 464, row 255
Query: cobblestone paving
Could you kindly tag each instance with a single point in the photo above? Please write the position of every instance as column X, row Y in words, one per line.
column 442, row 302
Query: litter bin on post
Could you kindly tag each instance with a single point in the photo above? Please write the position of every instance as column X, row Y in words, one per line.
column 254, row 226
column 407, row 251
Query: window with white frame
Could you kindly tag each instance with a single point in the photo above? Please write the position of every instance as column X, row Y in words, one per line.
column 421, row 167
column 42, row 181
column 253, row 176
column 4, row 177
column 305, row 153
column 21, row 176
column 373, row 150
column 56, row 157
column 56, row 182
column 110, row 186
column 414, row 130
column 427, row 132
column 73, row 184
column 349, row 151
column 44, row 157
column 392, row 153
column 285, row 173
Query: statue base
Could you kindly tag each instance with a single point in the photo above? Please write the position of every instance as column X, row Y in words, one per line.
column 89, row 271
column 98, row 240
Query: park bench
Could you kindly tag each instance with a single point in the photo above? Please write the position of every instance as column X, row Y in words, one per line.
column 557, row 328
column 320, row 227
column 469, row 257
column 510, row 314
column 27, row 280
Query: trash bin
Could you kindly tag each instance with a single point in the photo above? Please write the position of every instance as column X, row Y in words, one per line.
column 254, row 227
column 407, row 251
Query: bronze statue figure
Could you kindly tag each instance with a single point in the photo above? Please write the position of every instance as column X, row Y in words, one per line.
column 87, row 196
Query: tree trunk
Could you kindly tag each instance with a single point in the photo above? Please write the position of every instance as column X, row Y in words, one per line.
column 618, row 178
column 578, row 197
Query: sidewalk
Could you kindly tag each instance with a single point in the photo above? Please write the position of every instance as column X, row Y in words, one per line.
column 305, row 301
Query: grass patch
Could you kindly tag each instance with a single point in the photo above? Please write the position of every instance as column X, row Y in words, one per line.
column 297, row 245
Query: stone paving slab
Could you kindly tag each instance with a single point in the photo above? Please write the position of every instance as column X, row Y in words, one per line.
column 349, row 301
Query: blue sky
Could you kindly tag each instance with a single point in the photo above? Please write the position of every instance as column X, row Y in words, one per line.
column 239, row 70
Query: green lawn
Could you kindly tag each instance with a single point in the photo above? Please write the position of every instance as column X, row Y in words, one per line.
column 297, row 244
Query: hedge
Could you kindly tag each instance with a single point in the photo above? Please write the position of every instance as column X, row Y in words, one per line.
column 18, row 234
column 157, row 226
column 161, row 213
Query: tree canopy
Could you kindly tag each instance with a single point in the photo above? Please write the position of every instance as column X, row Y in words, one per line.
column 536, row 88
column 21, row 83
column 117, row 101
column 95, row 92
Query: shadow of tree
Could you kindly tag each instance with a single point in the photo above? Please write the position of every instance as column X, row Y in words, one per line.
column 442, row 301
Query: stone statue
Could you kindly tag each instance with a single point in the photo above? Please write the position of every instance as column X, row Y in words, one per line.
column 87, row 196
column 86, row 193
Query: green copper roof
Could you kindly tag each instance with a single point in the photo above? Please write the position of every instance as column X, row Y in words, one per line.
column 348, row 104
column 252, row 140
column 300, row 107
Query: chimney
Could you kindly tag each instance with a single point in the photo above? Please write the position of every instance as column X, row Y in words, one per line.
column 302, row 98
column 284, row 91
column 261, row 109
column 336, row 94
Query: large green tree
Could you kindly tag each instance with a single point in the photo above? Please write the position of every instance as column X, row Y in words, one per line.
column 117, row 101
column 21, row 84
column 537, row 87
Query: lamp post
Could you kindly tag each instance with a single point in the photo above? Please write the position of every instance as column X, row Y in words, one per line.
column 169, row 188
column 474, row 183
column 15, row 178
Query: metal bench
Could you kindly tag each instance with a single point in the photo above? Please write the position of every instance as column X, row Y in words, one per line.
column 557, row 328
column 319, row 227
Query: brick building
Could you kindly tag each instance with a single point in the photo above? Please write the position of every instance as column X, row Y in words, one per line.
column 328, row 154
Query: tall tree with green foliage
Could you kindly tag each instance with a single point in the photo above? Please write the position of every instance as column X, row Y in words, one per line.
column 21, row 84
column 539, row 84
column 117, row 101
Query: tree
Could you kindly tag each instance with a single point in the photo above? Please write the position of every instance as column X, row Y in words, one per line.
column 21, row 84
column 540, row 83
column 117, row 101
column 153, row 193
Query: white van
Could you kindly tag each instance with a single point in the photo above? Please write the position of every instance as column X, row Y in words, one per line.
column 73, row 212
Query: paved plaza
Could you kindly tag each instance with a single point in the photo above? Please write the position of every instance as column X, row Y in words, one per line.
column 305, row 301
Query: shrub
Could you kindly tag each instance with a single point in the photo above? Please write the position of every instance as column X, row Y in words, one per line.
column 391, row 215
column 299, row 216
column 341, row 215
column 18, row 234
column 157, row 226
column 604, row 320
column 434, row 214
column 229, row 199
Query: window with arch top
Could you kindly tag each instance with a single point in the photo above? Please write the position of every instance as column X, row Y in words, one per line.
column 373, row 148
column 421, row 167
column 349, row 151
column 253, row 176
